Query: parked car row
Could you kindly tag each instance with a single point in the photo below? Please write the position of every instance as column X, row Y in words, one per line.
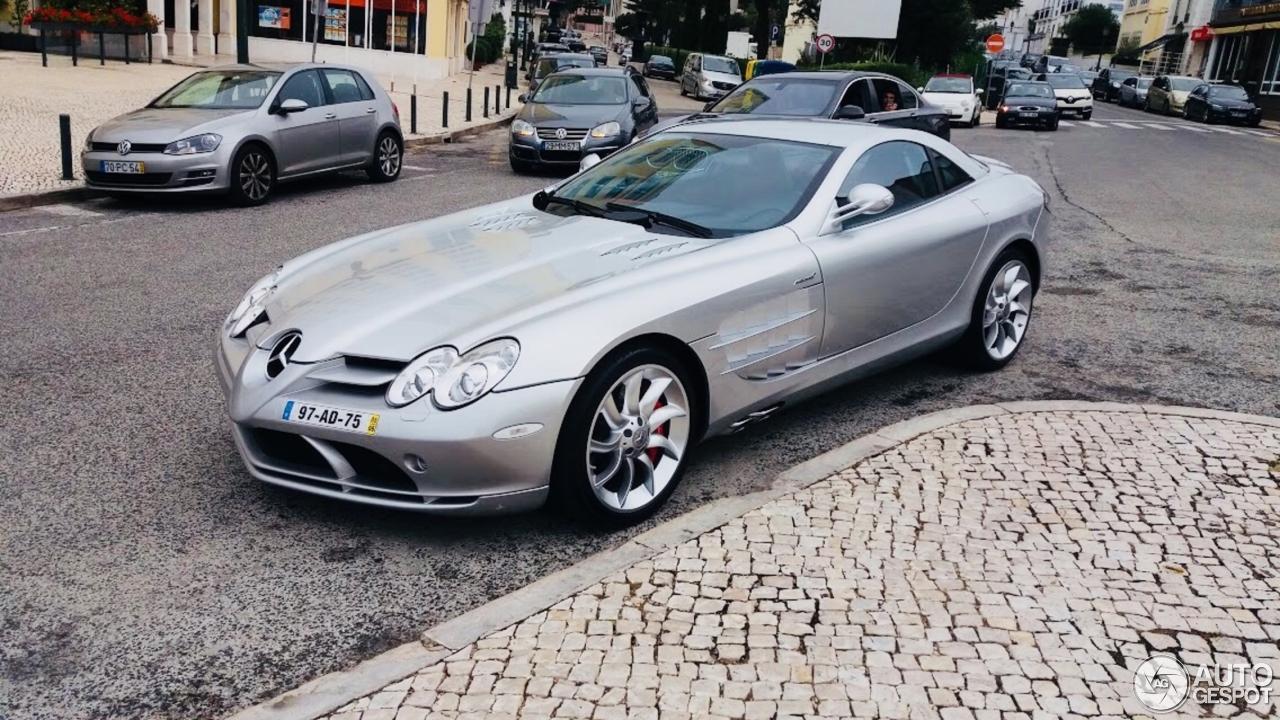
column 1190, row 97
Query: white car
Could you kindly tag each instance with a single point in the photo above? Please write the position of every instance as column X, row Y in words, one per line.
column 1074, row 97
column 955, row 94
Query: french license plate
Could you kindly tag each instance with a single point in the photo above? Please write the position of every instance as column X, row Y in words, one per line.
column 569, row 146
column 1028, row 115
column 1238, row 113
column 129, row 168
column 331, row 417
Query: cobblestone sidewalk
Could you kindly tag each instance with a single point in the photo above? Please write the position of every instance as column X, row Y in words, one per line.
column 1019, row 566
column 91, row 94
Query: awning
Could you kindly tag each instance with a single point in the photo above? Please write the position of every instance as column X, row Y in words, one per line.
column 1160, row 42
column 1273, row 25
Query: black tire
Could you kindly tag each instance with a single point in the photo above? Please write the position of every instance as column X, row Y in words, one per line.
column 1255, row 123
column 388, row 158
column 1001, row 123
column 521, row 167
column 571, row 487
column 1053, row 125
column 1088, row 114
column 971, row 349
column 253, row 176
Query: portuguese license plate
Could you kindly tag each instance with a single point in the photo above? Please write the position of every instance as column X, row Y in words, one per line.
column 331, row 417
column 569, row 146
column 1028, row 115
column 128, row 168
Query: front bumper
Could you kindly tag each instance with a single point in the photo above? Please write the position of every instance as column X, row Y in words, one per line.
column 467, row 470
column 1076, row 108
column 203, row 172
column 1018, row 117
column 531, row 150
column 1249, row 117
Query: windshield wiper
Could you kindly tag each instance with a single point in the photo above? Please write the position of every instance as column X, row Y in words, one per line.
column 543, row 200
column 652, row 217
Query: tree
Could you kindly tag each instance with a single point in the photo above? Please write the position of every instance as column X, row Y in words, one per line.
column 1093, row 30
column 934, row 31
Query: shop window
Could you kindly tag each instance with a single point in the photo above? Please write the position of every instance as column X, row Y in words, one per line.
column 1271, row 71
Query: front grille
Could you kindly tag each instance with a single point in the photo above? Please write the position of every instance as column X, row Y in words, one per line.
column 569, row 134
column 561, row 156
column 133, row 148
column 375, row 475
column 148, row 179
column 1031, row 108
column 374, row 469
column 723, row 85
column 290, row 448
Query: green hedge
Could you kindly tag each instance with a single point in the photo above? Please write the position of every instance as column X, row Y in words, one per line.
column 484, row 51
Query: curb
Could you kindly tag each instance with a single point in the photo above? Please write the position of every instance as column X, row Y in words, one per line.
column 330, row 692
column 74, row 194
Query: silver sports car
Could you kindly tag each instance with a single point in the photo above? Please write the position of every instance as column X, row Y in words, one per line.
column 243, row 128
column 575, row 344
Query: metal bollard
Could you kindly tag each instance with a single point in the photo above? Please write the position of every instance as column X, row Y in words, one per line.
column 413, row 114
column 486, row 101
column 64, row 127
column 497, row 99
column 444, row 119
column 467, row 116
column 508, row 97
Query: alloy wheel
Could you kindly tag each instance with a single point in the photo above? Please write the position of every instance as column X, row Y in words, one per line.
column 638, row 438
column 255, row 176
column 1007, row 310
column 389, row 156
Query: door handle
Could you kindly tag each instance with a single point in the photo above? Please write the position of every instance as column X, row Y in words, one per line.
column 330, row 116
column 371, row 111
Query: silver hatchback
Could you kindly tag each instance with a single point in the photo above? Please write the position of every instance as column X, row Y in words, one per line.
column 242, row 129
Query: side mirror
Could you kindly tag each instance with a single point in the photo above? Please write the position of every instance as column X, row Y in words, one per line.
column 982, row 92
column 292, row 105
column 865, row 199
column 524, row 98
column 588, row 162
column 850, row 112
column 919, row 89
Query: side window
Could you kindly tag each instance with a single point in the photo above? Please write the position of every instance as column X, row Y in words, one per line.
column 366, row 92
column 697, row 63
column 342, row 85
column 641, row 87
column 887, row 95
column 304, row 86
column 907, row 99
column 858, row 93
column 952, row 175
column 902, row 167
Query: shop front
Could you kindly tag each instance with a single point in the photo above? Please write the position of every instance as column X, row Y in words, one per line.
column 1245, row 50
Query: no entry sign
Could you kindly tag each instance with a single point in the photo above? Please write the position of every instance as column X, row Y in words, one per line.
column 995, row 43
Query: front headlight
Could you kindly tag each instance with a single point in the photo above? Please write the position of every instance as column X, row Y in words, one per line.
column 522, row 128
column 252, row 306
column 88, row 140
column 1115, row 85
column 606, row 130
column 452, row 380
column 1215, row 106
column 205, row 143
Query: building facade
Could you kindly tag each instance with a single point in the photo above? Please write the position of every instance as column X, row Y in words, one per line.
column 1245, row 50
column 1015, row 26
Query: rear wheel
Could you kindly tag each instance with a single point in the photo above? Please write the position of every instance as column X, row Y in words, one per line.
column 1001, row 313
column 388, row 157
column 253, row 176
column 621, row 450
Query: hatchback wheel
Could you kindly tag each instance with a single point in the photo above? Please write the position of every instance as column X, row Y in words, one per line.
column 253, row 176
column 388, row 158
column 622, row 448
column 1001, row 313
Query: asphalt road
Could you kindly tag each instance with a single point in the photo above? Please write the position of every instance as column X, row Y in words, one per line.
column 144, row 574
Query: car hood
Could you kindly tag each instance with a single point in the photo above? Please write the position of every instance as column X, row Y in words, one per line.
column 1072, row 94
column 164, row 125
column 1233, row 104
column 571, row 116
column 398, row 292
column 947, row 99
column 1180, row 95
column 722, row 77
column 1043, row 102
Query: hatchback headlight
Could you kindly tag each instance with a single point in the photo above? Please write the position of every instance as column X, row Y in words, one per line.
column 205, row 143
column 522, row 128
column 252, row 306
column 606, row 130
column 452, row 380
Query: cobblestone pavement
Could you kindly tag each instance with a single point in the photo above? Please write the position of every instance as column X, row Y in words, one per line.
column 34, row 96
column 1019, row 566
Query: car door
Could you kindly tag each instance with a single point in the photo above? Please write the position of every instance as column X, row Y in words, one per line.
column 883, row 273
column 307, row 140
column 692, row 66
column 1157, row 97
column 645, row 111
column 882, row 89
column 1197, row 100
column 357, row 110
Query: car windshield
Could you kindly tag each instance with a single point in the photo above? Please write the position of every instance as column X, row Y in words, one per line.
column 1144, row 83
column 219, row 90
column 661, row 60
column 719, row 65
column 1030, row 90
column 581, row 90
column 548, row 65
column 1228, row 92
column 1184, row 84
column 1018, row 74
column 1063, row 82
column 729, row 184
column 1121, row 75
column 780, row 95
column 598, row 48
column 949, row 85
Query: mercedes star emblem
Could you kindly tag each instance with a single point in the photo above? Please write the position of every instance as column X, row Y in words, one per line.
column 124, row 147
column 561, row 134
column 282, row 353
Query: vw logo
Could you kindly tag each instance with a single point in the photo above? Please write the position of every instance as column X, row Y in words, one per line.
column 561, row 134
column 282, row 354
column 124, row 147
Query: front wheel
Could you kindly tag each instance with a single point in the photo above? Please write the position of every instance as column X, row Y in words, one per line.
column 622, row 448
column 1001, row 313
column 253, row 176
column 1087, row 115
column 388, row 158
column 1053, row 125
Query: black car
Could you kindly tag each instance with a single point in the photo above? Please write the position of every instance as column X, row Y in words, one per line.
column 546, row 48
column 576, row 45
column 660, row 66
column 1222, row 103
column 577, row 112
column 1000, row 77
column 1106, row 87
column 548, row 64
column 1029, row 103
column 857, row 96
column 600, row 53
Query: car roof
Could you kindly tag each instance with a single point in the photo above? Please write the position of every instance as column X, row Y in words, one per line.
column 836, row 75
column 598, row 71
column 575, row 56
column 280, row 67
column 822, row 131
column 953, row 75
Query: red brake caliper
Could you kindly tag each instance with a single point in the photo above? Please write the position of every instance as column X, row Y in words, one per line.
column 655, row 453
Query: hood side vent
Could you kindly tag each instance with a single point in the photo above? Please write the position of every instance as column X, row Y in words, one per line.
column 659, row 251
column 503, row 220
column 628, row 247
column 359, row 371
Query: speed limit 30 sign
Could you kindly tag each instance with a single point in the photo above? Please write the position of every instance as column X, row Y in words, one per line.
column 826, row 43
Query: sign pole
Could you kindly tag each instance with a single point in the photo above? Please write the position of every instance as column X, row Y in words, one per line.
column 318, row 8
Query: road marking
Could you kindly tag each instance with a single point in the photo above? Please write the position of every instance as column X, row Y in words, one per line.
column 414, row 167
column 68, row 211
column 1158, row 127
column 1126, row 126
column 1065, row 123
column 1091, row 123
column 1193, row 128
column 1224, row 130
column 1259, row 133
